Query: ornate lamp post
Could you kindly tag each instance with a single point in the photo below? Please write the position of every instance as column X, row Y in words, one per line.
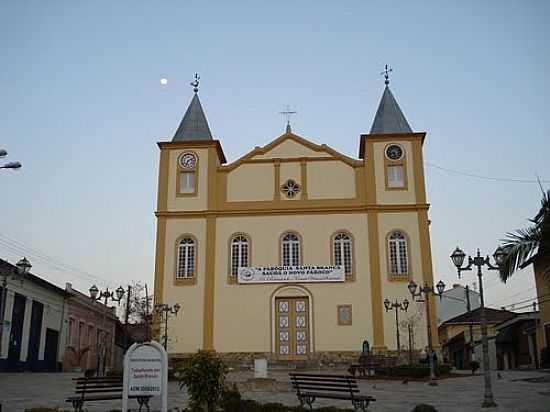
column 22, row 268
column 166, row 310
column 423, row 295
column 97, row 295
column 397, row 306
column 478, row 261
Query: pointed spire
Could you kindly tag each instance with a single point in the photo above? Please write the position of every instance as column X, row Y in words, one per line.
column 389, row 118
column 194, row 125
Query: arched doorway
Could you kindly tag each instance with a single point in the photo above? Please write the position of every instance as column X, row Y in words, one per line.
column 292, row 323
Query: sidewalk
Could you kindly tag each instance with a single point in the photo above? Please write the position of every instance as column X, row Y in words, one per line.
column 513, row 393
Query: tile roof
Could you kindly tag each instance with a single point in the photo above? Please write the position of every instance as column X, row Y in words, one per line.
column 474, row 316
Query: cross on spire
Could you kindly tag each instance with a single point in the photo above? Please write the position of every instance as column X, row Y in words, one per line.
column 195, row 83
column 386, row 74
column 288, row 113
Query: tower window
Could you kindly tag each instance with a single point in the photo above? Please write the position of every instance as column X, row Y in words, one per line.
column 398, row 254
column 187, row 182
column 395, row 176
column 290, row 249
column 186, row 259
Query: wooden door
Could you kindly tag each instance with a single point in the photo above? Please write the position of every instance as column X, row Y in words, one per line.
column 292, row 328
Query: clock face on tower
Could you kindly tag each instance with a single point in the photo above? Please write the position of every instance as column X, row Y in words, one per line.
column 394, row 152
column 188, row 161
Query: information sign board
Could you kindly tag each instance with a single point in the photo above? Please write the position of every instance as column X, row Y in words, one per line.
column 145, row 373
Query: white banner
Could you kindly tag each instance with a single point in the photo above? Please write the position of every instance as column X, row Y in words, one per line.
column 286, row 274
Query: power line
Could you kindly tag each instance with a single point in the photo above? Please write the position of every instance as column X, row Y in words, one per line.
column 477, row 176
column 528, row 300
column 19, row 248
column 531, row 304
column 515, row 294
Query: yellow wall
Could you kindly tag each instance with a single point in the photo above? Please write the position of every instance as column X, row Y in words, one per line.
column 187, row 335
column 330, row 180
column 251, row 304
column 250, row 182
column 407, row 223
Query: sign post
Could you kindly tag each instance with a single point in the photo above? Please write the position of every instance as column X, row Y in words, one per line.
column 145, row 373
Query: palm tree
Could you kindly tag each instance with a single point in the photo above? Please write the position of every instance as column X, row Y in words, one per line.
column 524, row 246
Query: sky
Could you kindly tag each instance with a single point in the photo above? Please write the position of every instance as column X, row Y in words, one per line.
column 82, row 107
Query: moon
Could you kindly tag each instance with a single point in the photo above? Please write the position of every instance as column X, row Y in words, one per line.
column 163, row 81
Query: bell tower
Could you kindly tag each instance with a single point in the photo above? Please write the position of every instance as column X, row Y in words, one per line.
column 394, row 169
column 187, row 186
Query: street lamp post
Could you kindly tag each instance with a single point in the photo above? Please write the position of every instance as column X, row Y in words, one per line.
column 166, row 310
column 397, row 306
column 22, row 268
column 423, row 295
column 478, row 261
column 101, row 347
column 9, row 165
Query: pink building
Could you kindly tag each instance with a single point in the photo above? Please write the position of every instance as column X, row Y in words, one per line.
column 91, row 326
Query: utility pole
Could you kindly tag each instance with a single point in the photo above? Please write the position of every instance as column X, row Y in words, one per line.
column 470, row 326
column 147, row 335
column 126, row 317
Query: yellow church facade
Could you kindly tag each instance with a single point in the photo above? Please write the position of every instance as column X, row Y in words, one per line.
column 289, row 251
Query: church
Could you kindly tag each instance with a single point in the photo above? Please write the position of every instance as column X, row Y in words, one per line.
column 289, row 251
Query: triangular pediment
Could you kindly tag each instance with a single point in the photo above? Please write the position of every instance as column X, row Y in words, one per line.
column 291, row 146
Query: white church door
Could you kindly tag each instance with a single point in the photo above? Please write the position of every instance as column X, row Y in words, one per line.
column 292, row 327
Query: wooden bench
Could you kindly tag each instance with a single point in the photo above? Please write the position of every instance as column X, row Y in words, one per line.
column 104, row 388
column 309, row 387
column 368, row 364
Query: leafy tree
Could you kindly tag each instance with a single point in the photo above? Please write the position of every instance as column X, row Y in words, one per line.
column 533, row 242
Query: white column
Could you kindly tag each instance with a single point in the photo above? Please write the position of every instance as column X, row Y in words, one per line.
column 8, row 317
column 45, row 319
column 26, row 330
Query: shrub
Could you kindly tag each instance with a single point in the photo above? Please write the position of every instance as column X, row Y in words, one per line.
column 424, row 408
column 204, row 376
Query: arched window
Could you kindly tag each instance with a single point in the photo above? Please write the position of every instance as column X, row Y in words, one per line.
column 399, row 261
column 290, row 249
column 342, row 249
column 239, row 253
column 186, row 258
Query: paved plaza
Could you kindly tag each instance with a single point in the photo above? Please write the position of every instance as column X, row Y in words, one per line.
column 513, row 393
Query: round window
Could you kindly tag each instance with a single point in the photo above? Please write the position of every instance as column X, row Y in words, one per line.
column 290, row 188
column 394, row 152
